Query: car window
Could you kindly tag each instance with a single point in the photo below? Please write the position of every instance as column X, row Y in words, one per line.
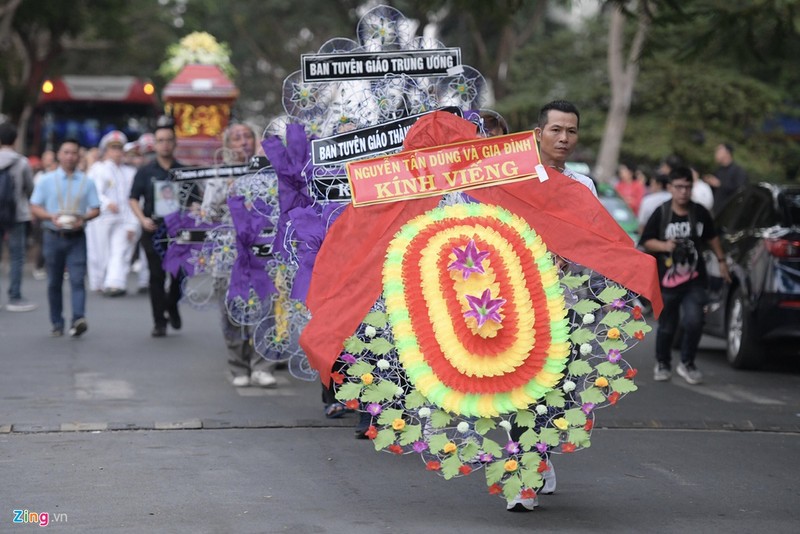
column 790, row 201
column 763, row 213
column 730, row 213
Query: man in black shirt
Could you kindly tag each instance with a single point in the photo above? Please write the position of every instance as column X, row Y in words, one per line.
column 676, row 233
column 727, row 179
column 149, row 183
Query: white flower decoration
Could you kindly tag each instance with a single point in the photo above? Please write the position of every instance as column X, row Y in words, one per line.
column 505, row 424
column 424, row 412
column 568, row 386
column 383, row 364
column 370, row 331
column 586, row 349
column 588, row 318
column 463, row 427
column 541, row 409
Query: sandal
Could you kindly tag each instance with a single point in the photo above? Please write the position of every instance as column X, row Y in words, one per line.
column 334, row 410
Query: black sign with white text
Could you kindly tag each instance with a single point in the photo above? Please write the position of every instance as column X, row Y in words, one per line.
column 372, row 65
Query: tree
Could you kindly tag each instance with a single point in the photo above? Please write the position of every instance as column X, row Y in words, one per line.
column 623, row 70
column 40, row 32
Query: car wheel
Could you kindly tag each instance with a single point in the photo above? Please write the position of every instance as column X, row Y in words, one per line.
column 742, row 343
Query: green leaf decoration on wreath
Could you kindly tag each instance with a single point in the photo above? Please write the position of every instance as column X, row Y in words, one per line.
column 609, row 369
column 555, row 398
column 525, row 418
column 615, row 318
column 582, row 335
column 410, row 434
column 384, row 438
column 530, row 477
column 593, row 395
column 612, row 293
column 573, row 281
column 530, row 460
column 376, row 318
column 450, row 466
column 360, row 368
column 437, row 442
column 380, row 346
column 415, row 399
column 490, row 446
column 440, row 419
column 512, row 487
column 528, row 439
column 468, row 451
column 549, row 436
column 484, row 425
column 388, row 415
column 636, row 326
column 379, row 392
column 609, row 344
column 579, row 436
column 579, row 368
column 354, row 345
column 348, row 391
column 623, row 385
column 575, row 417
column 494, row 472
column 585, row 306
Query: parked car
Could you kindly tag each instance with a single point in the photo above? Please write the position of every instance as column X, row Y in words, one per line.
column 618, row 209
column 760, row 234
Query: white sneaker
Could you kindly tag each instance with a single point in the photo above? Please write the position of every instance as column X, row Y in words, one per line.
column 240, row 381
column 549, row 477
column 39, row 274
column 518, row 504
column 20, row 305
column 689, row 373
column 264, row 379
column 662, row 372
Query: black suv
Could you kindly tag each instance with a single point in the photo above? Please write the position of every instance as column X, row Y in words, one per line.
column 760, row 233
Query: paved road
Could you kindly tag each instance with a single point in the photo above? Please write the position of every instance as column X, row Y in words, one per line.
column 119, row 432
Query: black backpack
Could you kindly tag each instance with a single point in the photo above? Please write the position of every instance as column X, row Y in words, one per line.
column 8, row 198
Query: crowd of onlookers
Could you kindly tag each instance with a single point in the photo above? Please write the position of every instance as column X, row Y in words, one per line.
column 643, row 190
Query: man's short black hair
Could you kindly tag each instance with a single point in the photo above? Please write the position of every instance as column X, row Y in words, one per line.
column 728, row 147
column 68, row 140
column 680, row 173
column 8, row 134
column 557, row 105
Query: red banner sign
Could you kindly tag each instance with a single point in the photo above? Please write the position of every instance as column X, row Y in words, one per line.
column 435, row 171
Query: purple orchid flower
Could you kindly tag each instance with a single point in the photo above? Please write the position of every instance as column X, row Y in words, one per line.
column 485, row 457
column 614, row 355
column 469, row 260
column 541, row 447
column 419, row 446
column 348, row 358
column 618, row 304
column 374, row 408
column 512, row 447
column 484, row 308
column 587, row 407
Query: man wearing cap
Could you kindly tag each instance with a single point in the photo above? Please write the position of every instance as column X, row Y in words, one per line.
column 65, row 200
column 112, row 236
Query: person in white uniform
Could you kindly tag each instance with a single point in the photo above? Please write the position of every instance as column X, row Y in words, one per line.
column 111, row 237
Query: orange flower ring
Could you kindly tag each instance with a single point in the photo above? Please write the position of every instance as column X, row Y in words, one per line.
column 497, row 368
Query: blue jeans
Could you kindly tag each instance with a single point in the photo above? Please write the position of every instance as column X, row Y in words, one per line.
column 16, row 252
column 684, row 306
column 60, row 252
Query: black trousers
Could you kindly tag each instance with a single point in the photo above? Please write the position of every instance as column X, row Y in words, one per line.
column 161, row 301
